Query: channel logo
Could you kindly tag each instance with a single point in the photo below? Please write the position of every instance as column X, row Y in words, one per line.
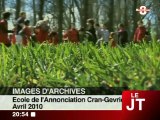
column 135, row 98
column 143, row 10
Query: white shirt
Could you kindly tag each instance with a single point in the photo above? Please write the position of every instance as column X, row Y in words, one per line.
column 105, row 35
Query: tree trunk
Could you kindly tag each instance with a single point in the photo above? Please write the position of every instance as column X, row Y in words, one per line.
column 60, row 18
column 80, row 11
column 125, row 13
column 3, row 5
column 134, row 14
column 18, row 8
column 72, row 14
column 41, row 9
column 90, row 8
column 0, row 8
column 34, row 12
column 85, row 13
column 134, row 18
column 111, row 15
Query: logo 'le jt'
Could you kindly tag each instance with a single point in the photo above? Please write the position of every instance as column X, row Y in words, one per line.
column 135, row 98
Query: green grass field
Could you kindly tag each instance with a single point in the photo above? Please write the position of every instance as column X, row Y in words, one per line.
column 69, row 65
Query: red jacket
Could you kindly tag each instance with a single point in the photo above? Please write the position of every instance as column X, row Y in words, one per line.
column 4, row 32
column 41, row 35
column 139, row 34
column 72, row 35
column 26, row 33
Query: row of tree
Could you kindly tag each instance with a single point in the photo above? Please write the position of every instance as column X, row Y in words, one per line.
column 65, row 12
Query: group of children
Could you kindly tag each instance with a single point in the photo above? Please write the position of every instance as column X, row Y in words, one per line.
column 96, row 34
column 24, row 33
column 112, row 38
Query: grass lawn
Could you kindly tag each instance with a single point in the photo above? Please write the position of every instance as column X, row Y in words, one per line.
column 135, row 66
